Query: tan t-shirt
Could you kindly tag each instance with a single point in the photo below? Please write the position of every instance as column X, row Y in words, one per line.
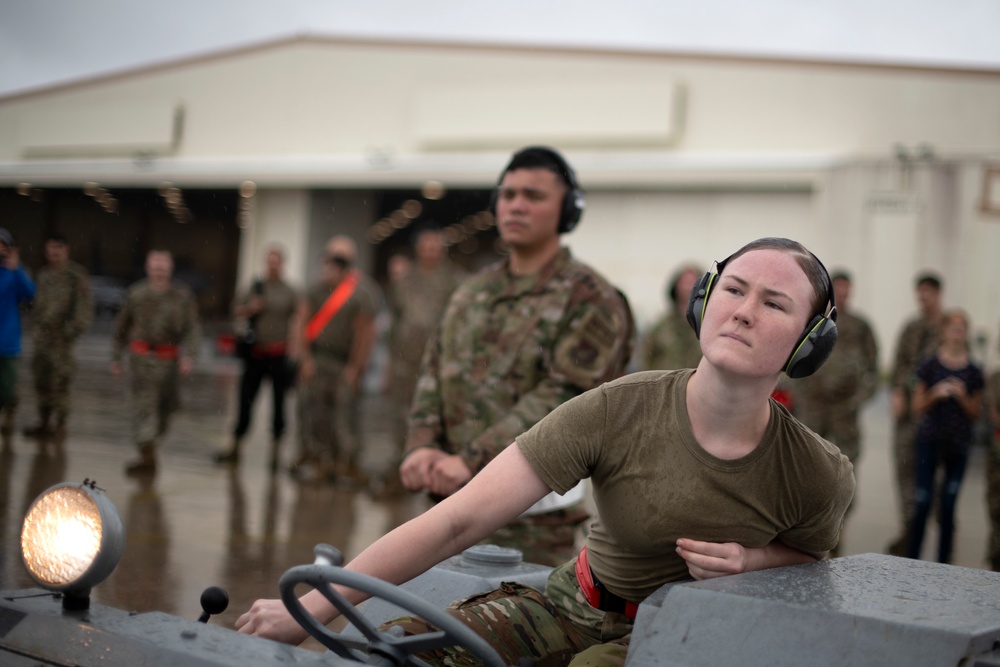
column 273, row 322
column 337, row 337
column 653, row 483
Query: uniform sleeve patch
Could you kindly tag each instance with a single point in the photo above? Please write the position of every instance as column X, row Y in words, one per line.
column 589, row 348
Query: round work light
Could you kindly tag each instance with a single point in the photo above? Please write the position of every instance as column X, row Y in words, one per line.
column 71, row 540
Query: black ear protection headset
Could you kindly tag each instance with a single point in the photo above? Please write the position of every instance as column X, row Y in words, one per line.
column 811, row 349
column 573, row 203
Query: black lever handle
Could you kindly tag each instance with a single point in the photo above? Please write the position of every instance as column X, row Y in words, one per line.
column 214, row 600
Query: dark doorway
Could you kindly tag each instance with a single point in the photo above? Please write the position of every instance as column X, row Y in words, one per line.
column 110, row 231
column 462, row 215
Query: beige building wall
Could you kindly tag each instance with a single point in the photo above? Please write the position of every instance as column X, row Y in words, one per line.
column 684, row 158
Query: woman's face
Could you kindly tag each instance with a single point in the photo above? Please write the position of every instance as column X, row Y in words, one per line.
column 757, row 311
column 954, row 330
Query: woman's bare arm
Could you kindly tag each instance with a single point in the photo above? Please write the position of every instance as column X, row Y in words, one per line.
column 502, row 491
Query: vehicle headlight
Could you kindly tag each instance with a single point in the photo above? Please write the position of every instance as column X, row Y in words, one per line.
column 71, row 540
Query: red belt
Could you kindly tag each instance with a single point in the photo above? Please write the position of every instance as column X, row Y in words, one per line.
column 264, row 350
column 143, row 348
column 596, row 594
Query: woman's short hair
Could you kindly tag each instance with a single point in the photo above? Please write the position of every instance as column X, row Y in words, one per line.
column 813, row 268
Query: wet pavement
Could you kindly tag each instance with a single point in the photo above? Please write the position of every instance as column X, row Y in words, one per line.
column 199, row 524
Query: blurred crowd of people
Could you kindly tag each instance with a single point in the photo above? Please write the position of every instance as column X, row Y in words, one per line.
column 476, row 360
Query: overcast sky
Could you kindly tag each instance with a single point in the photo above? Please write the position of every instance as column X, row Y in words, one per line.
column 43, row 42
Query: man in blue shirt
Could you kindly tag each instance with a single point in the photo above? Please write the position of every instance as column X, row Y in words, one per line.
column 15, row 288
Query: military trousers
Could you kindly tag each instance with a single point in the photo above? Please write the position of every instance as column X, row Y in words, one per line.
column 404, row 378
column 904, row 455
column 53, row 368
column 254, row 371
column 556, row 628
column 8, row 382
column 155, row 396
column 328, row 415
column 993, row 502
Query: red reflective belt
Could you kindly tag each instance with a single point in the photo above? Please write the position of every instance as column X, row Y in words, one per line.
column 330, row 307
column 596, row 595
column 143, row 348
column 263, row 350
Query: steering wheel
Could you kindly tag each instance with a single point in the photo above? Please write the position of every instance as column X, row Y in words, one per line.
column 392, row 647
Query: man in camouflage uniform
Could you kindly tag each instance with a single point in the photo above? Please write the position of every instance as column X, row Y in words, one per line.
column 332, row 362
column 417, row 303
column 993, row 471
column 158, row 323
column 920, row 338
column 671, row 343
column 63, row 310
column 829, row 400
column 517, row 339
column 268, row 310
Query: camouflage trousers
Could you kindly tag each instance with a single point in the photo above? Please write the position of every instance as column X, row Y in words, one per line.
column 328, row 415
column 554, row 629
column 546, row 539
column 904, row 455
column 403, row 383
column 155, row 396
column 993, row 503
column 53, row 368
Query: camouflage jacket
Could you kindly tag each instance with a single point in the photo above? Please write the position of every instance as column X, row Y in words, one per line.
column 918, row 340
column 670, row 344
column 158, row 318
column 847, row 379
column 510, row 349
column 63, row 307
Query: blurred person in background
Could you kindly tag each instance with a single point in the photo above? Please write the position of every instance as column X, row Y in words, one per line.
column 947, row 401
column 336, row 323
column 62, row 310
column 267, row 312
column 992, row 401
column 919, row 339
column 417, row 302
column 671, row 344
column 158, row 324
column 16, row 289
column 828, row 401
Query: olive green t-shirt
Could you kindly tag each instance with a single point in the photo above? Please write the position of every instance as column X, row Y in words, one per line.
column 653, row 483
column 280, row 301
column 337, row 337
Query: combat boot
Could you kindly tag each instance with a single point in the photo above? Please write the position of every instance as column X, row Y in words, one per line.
column 231, row 455
column 304, row 467
column 145, row 464
column 347, row 475
column 41, row 429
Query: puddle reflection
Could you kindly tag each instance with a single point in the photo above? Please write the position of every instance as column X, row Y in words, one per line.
column 196, row 524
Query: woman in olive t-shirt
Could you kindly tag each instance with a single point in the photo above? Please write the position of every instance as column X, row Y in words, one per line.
column 696, row 474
